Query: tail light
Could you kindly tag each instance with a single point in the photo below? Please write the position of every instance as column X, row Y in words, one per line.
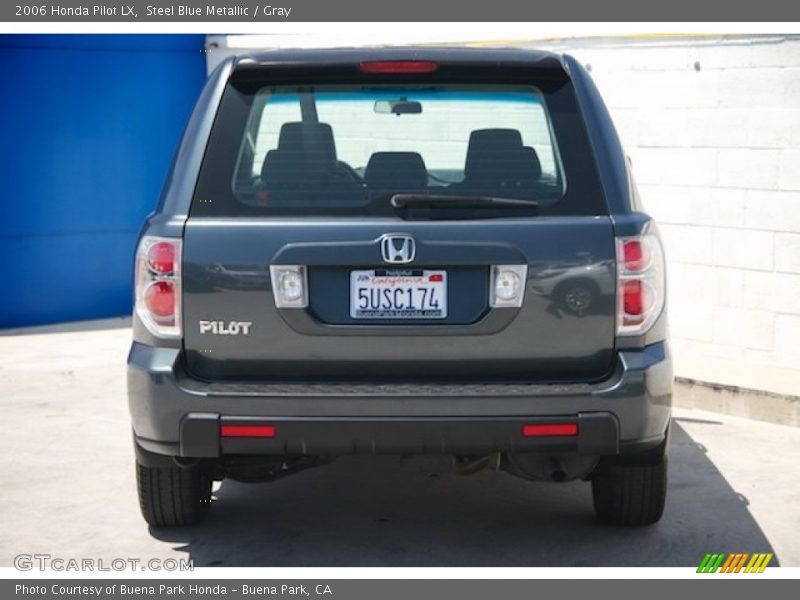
column 158, row 285
column 640, row 283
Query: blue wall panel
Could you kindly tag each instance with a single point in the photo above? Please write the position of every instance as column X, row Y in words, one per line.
column 89, row 126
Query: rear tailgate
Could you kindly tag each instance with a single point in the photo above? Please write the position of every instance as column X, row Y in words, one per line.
column 563, row 331
column 300, row 168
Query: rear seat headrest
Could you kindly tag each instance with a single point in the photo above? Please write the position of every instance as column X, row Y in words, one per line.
column 307, row 137
column 531, row 161
column 396, row 170
column 498, row 155
column 303, row 147
column 288, row 169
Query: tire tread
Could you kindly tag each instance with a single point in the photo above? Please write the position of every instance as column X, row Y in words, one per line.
column 631, row 494
column 173, row 496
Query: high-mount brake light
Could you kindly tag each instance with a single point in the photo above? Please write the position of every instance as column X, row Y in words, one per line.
column 640, row 283
column 398, row 66
column 158, row 285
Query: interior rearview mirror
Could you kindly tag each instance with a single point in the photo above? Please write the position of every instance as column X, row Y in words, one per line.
column 398, row 107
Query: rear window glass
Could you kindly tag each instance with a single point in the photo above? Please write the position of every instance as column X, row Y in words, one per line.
column 347, row 150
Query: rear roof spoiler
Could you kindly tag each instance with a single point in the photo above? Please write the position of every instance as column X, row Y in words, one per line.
column 351, row 57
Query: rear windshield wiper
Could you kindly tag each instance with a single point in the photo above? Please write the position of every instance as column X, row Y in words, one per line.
column 445, row 201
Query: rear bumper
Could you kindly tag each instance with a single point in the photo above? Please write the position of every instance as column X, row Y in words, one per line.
column 597, row 433
column 175, row 415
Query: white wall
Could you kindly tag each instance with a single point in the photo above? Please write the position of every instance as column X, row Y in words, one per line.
column 713, row 127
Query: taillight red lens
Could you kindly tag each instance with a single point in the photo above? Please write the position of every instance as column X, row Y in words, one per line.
column 632, row 297
column 634, row 255
column 161, row 258
column 399, row 66
column 160, row 299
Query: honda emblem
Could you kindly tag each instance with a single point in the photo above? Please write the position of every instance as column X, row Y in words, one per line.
column 398, row 249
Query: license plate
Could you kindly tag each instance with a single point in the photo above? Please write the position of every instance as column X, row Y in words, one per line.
column 398, row 294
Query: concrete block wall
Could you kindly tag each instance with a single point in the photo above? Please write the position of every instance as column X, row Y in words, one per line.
column 712, row 125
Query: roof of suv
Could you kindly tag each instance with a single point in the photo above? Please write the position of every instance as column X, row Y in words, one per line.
column 449, row 55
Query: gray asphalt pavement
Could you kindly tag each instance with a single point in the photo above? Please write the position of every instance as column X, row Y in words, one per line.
column 69, row 489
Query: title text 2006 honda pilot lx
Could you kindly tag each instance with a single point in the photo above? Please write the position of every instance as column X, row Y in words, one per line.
column 400, row 251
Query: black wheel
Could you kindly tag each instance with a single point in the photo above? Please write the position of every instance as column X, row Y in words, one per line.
column 171, row 496
column 631, row 492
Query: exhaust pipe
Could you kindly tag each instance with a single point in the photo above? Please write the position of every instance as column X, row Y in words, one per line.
column 554, row 469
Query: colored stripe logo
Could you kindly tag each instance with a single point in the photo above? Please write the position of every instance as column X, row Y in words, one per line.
column 737, row 562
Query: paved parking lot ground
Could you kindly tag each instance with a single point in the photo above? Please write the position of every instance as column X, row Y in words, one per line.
column 69, row 491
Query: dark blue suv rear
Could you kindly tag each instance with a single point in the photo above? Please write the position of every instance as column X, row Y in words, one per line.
column 400, row 251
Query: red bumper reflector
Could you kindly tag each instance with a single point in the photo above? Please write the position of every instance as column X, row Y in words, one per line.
column 399, row 66
column 258, row 431
column 549, row 429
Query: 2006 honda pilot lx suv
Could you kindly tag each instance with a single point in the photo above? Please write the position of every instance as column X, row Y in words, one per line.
column 400, row 251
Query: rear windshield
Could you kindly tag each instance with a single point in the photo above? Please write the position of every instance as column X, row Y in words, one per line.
column 348, row 149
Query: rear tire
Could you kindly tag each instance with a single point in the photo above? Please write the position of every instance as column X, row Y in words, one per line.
column 172, row 496
column 630, row 493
